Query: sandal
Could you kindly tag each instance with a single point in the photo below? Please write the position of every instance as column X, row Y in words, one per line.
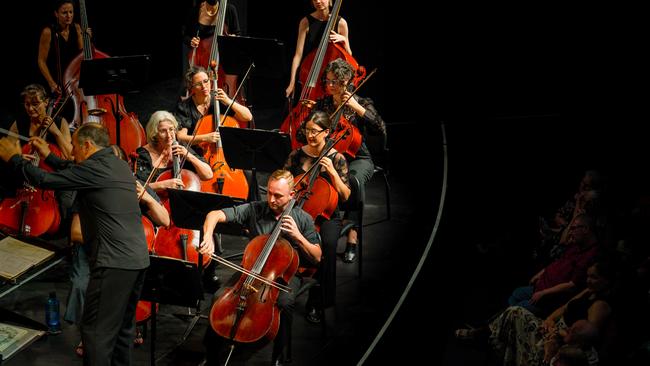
column 79, row 350
column 138, row 340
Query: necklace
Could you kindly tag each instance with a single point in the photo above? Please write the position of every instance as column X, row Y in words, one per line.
column 214, row 12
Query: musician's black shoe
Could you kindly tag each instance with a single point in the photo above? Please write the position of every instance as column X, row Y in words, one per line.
column 211, row 281
column 314, row 315
column 350, row 254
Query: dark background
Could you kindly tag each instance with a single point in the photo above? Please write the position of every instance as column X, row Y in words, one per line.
column 531, row 95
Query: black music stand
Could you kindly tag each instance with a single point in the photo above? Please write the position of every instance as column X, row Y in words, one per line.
column 255, row 150
column 114, row 75
column 170, row 281
column 237, row 53
column 189, row 209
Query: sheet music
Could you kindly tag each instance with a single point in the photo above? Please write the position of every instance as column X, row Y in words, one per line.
column 16, row 257
column 14, row 338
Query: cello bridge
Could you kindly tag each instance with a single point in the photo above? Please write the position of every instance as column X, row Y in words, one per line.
column 251, row 288
column 97, row 111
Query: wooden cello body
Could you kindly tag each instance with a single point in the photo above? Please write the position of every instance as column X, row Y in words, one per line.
column 248, row 311
column 143, row 308
column 33, row 208
column 174, row 241
column 320, row 198
column 225, row 180
column 106, row 109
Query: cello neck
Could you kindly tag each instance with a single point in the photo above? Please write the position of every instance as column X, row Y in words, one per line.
column 270, row 242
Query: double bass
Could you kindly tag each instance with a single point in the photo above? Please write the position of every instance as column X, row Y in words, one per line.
column 247, row 311
column 207, row 50
column 124, row 128
column 310, row 77
column 225, row 180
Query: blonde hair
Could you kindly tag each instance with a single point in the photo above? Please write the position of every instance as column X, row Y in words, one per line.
column 282, row 174
column 154, row 121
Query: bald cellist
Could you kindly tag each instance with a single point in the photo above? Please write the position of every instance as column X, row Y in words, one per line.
column 261, row 217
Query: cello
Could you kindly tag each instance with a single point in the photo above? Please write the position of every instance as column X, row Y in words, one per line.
column 225, row 180
column 341, row 125
column 173, row 241
column 316, row 195
column 143, row 308
column 34, row 211
column 247, row 311
column 309, row 77
column 124, row 128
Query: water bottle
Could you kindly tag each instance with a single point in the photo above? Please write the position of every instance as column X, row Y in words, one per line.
column 52, row 314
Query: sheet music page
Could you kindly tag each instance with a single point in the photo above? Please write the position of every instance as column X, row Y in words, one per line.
column 14, row 338
column 16, row 257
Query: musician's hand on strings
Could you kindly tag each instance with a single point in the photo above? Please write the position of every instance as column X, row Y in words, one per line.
column 289, row 227
column 174, row 183
column 195, row 42
column 223, row 97
column 211, row 137
column 179, row 150
column 336, row 38
column 326, row 163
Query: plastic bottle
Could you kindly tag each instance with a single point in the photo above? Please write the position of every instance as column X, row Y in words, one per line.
column 52, row 318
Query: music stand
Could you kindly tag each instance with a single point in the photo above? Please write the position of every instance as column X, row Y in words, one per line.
column 189, row 209
column 237, row 53
column 114, row 75
column 254, row 150
column 170, row 281
column 268, row 55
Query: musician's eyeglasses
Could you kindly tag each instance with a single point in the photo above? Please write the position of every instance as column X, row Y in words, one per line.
column 312, row 132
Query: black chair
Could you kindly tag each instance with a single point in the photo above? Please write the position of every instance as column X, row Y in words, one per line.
column 378, row 146
column 355, row 203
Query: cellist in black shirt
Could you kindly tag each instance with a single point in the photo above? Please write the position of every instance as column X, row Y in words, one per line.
column 112, row 231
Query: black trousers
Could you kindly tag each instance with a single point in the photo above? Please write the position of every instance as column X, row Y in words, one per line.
column 217, row 347
column 108, row 322
column 325, row 295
